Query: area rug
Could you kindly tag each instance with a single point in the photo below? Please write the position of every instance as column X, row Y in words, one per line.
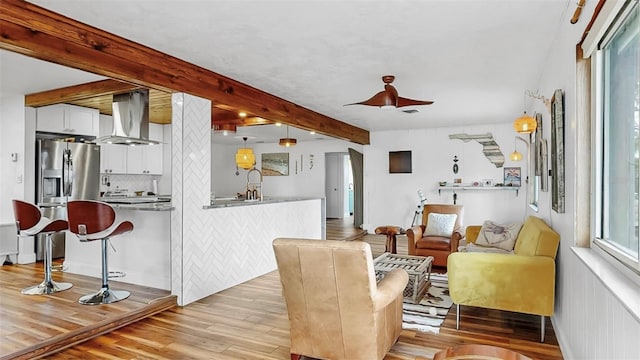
column 429, row 314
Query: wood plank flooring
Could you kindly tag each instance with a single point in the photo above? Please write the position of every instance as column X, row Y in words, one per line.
column 33, row 325
column 343, row 229
column 248, row 321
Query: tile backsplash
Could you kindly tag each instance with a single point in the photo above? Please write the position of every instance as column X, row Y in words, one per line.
column 131, row 183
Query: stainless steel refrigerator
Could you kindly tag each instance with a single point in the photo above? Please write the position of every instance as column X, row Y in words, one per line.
column 65, row 170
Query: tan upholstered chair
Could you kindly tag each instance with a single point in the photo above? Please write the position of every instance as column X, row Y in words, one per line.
column 336, row 310
column 439, row 247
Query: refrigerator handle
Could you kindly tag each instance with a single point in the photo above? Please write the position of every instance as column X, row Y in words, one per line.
column 67, row 177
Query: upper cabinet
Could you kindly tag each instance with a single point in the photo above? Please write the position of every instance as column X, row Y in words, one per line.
column 68, row 119
column 113, row 158
column 132, row 160
column 146, row 159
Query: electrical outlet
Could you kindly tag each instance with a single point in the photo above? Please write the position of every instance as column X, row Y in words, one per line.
column 19, row 179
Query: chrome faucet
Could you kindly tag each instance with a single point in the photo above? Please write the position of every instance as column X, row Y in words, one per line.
column 256, row 193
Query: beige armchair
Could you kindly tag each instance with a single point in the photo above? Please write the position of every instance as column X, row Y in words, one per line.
column 336, row 309
column 421, row 243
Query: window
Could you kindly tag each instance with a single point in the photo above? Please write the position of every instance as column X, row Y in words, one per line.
column 618, row 125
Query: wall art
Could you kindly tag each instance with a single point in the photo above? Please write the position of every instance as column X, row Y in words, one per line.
column 275, row 164
column 512, row 176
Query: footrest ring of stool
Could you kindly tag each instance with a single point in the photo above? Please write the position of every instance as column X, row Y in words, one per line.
column 116, row 274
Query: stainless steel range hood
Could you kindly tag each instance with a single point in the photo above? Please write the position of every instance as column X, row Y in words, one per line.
column 130, row 119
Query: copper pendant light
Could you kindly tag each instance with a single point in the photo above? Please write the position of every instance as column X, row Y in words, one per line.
column 287, row 141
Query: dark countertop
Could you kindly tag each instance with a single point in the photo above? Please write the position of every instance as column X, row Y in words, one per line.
column 267, row 200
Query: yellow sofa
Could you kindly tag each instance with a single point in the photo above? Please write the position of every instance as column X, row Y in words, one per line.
column 521, row 282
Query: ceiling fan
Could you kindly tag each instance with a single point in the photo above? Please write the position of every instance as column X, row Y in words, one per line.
column 388, row 98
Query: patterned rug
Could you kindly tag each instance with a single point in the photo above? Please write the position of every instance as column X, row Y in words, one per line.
column 429, row 314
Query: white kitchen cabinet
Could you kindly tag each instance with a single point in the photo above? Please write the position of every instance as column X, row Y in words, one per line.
column 68, row 119
column 146, row 159
column 113, row 158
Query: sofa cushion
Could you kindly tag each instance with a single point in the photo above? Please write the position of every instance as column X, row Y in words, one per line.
column 498, row 235
column 434, row 243
column 537, row 239
column 440, row 224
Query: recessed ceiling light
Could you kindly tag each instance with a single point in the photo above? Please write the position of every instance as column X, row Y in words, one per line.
column 242, row 114
column 278, row 124
column 312, row 132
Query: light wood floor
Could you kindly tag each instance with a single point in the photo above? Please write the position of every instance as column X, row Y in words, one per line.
column 249, row 321
column 343, row 229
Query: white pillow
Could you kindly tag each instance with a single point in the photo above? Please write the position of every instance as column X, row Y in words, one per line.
column 440, row 224
column 498, row 236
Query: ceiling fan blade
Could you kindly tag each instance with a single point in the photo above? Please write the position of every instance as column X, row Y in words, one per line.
column 409, row 102
column 382, row 98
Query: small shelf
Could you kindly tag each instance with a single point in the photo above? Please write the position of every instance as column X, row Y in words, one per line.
column 480, row 188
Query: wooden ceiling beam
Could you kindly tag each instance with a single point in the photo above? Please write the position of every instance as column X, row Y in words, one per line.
column 78, row 92
column 37, row 32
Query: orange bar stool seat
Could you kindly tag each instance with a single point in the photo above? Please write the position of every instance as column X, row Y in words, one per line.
column 95, row 220
column 30, row 222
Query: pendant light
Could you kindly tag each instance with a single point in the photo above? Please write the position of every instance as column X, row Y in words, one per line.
column 525, row 124
column 224, row 129
column 516, row 155
column 245, row 158
column 287, row 141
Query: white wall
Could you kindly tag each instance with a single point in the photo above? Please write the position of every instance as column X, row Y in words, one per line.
column 307, row 182
column 12, row 140
column 590, row 321
column 17, row 135
column 391, row 199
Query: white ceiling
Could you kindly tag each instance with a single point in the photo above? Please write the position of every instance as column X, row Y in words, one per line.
column 473, row 58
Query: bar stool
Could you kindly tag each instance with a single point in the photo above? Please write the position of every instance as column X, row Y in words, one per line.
column 95, row 220
column 30, row 222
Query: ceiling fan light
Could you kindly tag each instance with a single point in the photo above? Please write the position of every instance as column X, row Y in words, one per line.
column 525, row 124
column 387, row 107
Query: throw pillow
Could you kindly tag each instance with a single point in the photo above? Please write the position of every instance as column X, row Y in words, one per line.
column 497, row 235
column 440, row 224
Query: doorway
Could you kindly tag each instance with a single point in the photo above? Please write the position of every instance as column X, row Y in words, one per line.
column 338, row 186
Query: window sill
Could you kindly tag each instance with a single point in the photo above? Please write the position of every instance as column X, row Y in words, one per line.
column 625, row 287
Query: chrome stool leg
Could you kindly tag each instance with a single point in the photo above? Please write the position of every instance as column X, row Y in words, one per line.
column 47, row 286
column 105, row 295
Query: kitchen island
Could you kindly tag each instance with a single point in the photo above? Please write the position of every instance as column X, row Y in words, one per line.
column 144, row 254
column 230, row 244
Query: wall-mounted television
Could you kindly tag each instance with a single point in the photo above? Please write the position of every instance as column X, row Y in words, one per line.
column 399, row 162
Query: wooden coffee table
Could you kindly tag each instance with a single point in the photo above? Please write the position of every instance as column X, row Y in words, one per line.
column 479, row 352
column 418, row 268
